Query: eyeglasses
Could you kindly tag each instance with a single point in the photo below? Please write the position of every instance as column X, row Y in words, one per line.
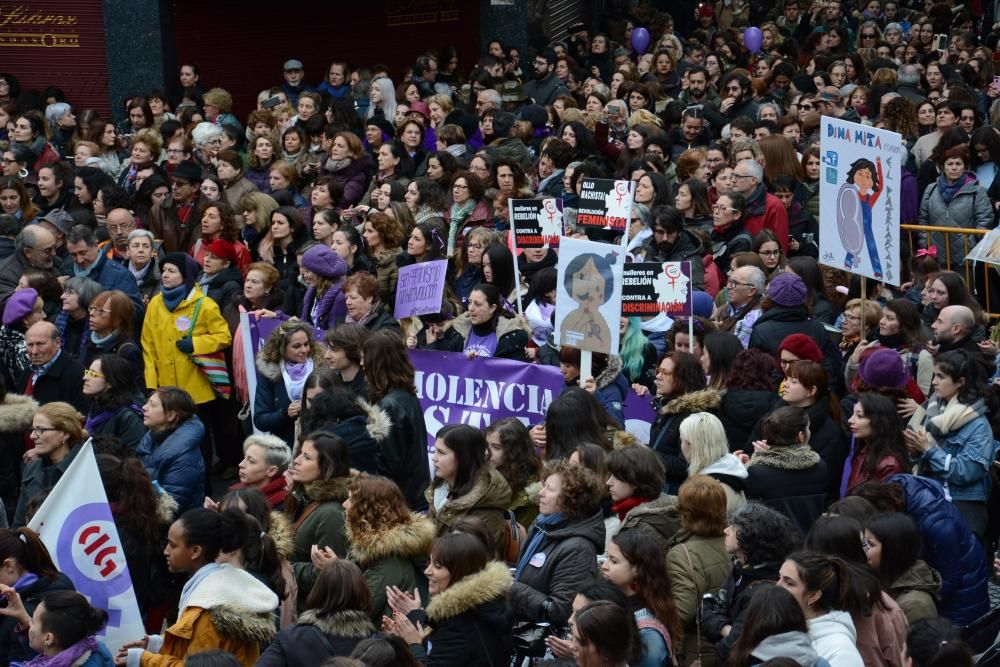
column 868, row 35
column 786, row 362
column 769, row 253
column 88, row 373
column 806, row 106
column 743, row 176
column 458, row 186
column 719, row 208
column 733, row 283
column 94, row 310
column 120, row 228
column 42, row 430
column 851, row 318
column 174, row 151
column 475, row 246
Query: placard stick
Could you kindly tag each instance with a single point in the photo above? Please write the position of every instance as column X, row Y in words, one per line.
column 864, row 297
column 586, row 365
column 691, row 333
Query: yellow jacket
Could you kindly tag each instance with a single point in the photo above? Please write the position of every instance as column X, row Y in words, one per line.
column 161, row 329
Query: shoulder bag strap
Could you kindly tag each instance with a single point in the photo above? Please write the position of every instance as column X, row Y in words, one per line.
column 697, row 617
column 310, row 508
column 194, row 318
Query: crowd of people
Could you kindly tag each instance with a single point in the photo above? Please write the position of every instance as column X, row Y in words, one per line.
column 817, row 487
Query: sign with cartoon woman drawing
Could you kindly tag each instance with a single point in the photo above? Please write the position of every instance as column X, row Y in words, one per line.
column 859, row 189
column 589, row 295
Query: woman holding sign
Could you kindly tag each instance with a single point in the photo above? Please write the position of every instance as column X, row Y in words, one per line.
column 489, row 329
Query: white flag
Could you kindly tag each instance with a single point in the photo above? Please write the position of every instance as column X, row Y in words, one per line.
column 76, row 525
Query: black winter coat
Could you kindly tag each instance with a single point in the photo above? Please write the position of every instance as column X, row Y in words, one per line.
column 61, row 382
column 828, row 439
column 314, row 639
column 739, row 588
column 470, row 622
column 739, row 411
column 224, row 286
column 402, row 456
column 791, row 480
column 545, row 593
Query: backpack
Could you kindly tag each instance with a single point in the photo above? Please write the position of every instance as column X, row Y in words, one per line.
column 514, row 537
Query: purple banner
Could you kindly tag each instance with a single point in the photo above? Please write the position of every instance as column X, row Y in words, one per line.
column 261, row 329
column 454, row 389
column 420, row 288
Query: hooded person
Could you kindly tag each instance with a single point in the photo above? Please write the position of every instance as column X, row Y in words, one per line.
column 179, row 323
column 324, row 305
column 785, row 312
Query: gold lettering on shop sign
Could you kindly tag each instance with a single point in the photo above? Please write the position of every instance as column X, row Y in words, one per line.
column 18, row 18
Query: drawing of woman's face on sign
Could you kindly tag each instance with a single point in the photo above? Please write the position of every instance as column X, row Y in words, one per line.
column 588, row 286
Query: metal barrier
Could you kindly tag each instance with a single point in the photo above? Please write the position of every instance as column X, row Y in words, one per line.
column 945, row 253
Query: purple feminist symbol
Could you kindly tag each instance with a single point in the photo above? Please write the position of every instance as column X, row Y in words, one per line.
column 99, row 547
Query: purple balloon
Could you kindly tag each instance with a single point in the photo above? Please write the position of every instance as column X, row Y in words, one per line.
column 640, row 40
column 753, row 39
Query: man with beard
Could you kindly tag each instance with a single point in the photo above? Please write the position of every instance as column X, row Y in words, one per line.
column 546, row 86
column 953, row 330
column 698, row 92
column 737, row 102
column 692, row 133
column 764, row 210
column 672, row 243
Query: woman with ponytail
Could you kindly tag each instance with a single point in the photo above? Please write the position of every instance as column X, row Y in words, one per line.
column 27, row 568
column 830, row 590
column 221, row 606
column 278, row 540
column 141, row 517
column 62, row 629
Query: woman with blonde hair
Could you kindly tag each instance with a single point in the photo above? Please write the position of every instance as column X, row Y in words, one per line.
column 697, row 561
column 387, row 540
column 382, row 100
column 256, row 208
column 146, row 148
column 705, row 447
column 56, row 434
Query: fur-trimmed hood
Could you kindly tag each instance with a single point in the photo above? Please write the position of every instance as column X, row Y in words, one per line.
column 282, row 534
column 488, row 584
column 240, row 606
column 325, row 490
column 406, row 540
column 385, row 257
column 348, row 623
column 705, row 400
column 378, row 423
column 505, row 325
column 796, row 457
column 608, row 375
column 16, row 413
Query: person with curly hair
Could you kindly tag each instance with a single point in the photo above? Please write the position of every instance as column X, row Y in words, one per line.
column 759, row 539
column 512, row 453
column 560, row 555
column 387, row 541
column 286, row 360
column 218, row 221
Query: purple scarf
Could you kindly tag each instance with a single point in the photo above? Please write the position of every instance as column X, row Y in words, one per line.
column 64, row 658
column 95, row 421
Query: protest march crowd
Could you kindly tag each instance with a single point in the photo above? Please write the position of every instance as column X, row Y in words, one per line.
column 189, row 296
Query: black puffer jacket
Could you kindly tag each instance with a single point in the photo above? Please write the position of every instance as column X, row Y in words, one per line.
column 314, row 638
column 737, row 591
column 545, row 592
column 402, row 457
